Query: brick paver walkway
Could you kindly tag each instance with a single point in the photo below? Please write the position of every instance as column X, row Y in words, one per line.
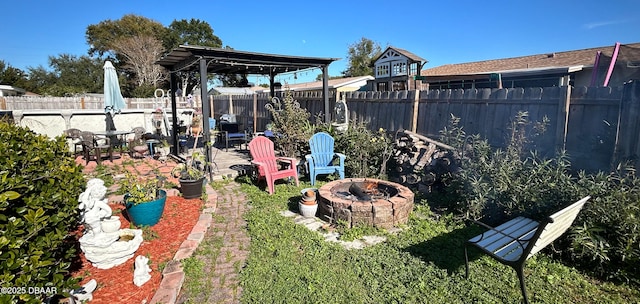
column 228, row 230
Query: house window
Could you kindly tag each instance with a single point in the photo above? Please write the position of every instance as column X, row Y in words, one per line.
column 399, row 68
column 399, row 85
column 382, row 86
column 413, row 69
column 382, row 70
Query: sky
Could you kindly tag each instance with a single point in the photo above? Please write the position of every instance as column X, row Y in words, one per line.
column 441, row 32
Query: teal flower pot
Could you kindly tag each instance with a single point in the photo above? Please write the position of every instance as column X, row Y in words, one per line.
column 149, row 213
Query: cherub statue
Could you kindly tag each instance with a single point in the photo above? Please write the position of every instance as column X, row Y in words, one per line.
column 94, row 206
column 141, row 271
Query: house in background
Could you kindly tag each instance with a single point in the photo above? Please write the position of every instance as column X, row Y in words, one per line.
column 230, row 91
column 395, row 70
column 7, row 90
column 587, row 67
column 347, row 84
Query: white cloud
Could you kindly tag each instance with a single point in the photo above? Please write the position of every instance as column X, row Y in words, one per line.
column 593, row 25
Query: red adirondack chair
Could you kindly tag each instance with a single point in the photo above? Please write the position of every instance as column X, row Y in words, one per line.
column 264, row 158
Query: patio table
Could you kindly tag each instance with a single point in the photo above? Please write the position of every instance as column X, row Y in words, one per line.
column 115, row 133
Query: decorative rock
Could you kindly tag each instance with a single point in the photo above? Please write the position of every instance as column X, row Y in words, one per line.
column 141, row 272
column 85, row 293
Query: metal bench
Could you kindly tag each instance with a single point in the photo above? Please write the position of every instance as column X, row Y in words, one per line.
column 513, row 242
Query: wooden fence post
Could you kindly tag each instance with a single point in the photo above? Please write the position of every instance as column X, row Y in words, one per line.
column 255, row 112
column 82, row 103
column 627, row 133
column 563, row 117
column 3, row 103
column 414, row 118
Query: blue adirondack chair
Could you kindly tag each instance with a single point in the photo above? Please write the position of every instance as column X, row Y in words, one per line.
column 321, row 158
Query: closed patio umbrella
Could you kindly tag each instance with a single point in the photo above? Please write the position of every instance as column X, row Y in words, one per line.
column 113, row 101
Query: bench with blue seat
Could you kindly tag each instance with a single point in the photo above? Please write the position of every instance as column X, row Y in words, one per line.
column 231, row 133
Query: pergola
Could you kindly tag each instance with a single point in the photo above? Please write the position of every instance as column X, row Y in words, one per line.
column 208, row 60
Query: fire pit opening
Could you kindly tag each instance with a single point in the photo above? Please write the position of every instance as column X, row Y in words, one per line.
column 360, row 201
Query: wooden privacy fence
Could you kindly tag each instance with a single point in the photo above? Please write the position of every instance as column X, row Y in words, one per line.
column 598, row 127
column 244, row 107
column 583, row 121
column 26, row 103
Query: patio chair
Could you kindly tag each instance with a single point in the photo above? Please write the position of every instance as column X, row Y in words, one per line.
column 263, row 157
column 74, row 136
column 96, row 145
column 137, row 146
column 320, row 161
column 515, row 241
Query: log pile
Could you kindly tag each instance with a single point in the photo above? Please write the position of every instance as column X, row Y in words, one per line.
column 421, row 162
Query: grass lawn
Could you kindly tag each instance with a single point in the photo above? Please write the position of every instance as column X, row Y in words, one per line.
column 423, row 263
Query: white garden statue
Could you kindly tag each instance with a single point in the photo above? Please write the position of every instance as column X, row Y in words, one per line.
column 102, row 242
column 94, row 207
column 141, row 272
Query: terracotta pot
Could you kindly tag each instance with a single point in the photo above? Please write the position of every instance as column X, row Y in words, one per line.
column 309, row 196
column 307, row 210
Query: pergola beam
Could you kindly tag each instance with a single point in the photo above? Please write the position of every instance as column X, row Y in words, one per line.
column 227, row 61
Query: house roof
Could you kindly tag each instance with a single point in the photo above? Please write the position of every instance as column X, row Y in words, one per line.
column 403, row 52
column 9, row 90
column 228, row 61
column 557, row 60
column 231, row 91
column 332, row 84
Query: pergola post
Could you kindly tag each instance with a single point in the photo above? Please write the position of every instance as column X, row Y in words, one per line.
column 206, row 112
column 174, row 114
column 325, row 93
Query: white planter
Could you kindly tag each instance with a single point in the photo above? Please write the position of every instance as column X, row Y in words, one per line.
column 307, row 210
column 111, row 224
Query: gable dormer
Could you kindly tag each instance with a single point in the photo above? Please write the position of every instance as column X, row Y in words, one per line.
column 397, row 62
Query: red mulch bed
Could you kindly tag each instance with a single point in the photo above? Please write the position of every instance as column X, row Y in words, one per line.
column 115, row 285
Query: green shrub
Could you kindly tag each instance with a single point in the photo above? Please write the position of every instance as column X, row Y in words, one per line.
column 39, row 188
column 292, row 125
column 498, row 184
column 606, row 238
column 367, row 152
column 503, row 183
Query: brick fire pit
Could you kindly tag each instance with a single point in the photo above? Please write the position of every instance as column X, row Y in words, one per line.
column 377, row 203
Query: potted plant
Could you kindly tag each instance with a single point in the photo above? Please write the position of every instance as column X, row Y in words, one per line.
column 196, row 124
column 164, row 148
column 308, row 206
column 191, row 175
column 144, row 199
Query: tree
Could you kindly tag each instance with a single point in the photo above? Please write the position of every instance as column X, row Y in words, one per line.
column 141, row 53
column 127, row 39
column 104, row 36
column 234, row 80
column 73, row 75
column 12, row 76
column 39, row 79
column 361, row 55
column 192, row 32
